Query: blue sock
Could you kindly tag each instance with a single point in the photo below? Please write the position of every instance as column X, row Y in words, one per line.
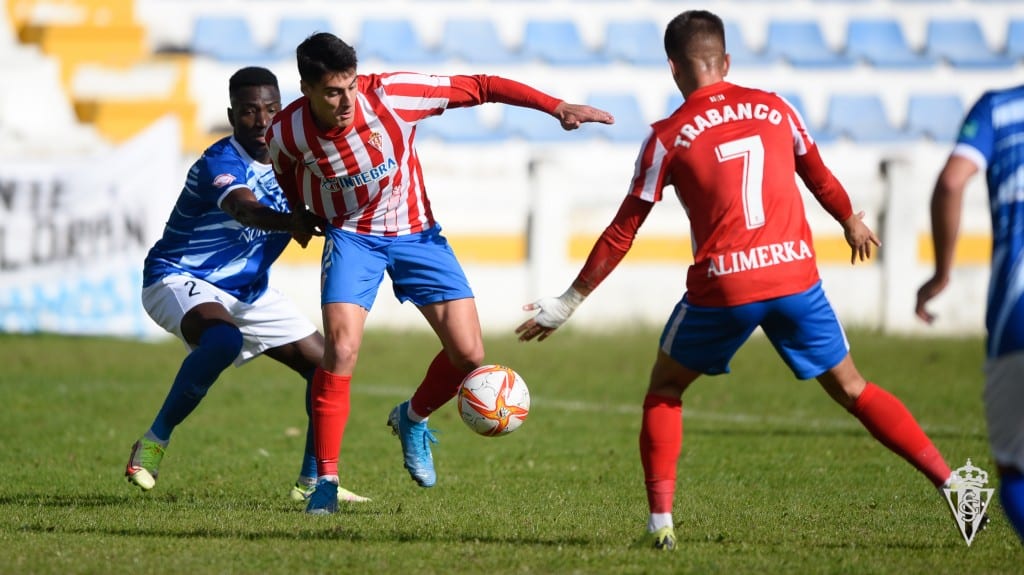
column 309, row 457
column 1011, row 495
column 219, row 345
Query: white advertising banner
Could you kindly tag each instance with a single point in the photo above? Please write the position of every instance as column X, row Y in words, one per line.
column 74, row 233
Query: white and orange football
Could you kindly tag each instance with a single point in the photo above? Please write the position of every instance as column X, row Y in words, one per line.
column 493, row 400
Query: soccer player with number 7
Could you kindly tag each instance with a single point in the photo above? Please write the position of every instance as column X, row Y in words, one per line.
column 730, row 154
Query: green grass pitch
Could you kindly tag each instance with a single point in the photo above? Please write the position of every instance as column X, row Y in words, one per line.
column 774, row 477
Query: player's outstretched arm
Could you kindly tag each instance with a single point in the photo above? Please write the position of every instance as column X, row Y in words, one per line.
column 860, row 237
column 572, row 116
column 608, row 251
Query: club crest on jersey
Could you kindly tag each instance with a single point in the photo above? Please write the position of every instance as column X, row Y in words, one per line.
column 223, row 180
column 376, row 140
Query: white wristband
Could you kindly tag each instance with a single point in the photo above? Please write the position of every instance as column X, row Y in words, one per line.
column 554, row 311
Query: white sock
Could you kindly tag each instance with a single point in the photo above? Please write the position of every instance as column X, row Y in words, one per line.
column 307, row 481
column 332, row 478
column 658, row 520
column 415, row 417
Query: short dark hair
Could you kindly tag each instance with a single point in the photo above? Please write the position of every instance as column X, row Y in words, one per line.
column 689, row 25
column 324, row 53
column 250, row 76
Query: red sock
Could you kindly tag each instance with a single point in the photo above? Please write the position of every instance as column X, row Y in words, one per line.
column 661, row 440
column 330, row 414
column 892, row 424
column 439, row 385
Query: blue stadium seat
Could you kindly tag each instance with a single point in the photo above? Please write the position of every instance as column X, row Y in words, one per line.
column 861, row 118
column 224, row 38
column 962, row 43
column 459, row 125
column 475, row 40
column 558, row 42
column 880, row 41
column 741, row 53
column 796, row 100
column 535, row 126
column 393, row 40
column 936, row 116
column 819, row 135
column 637, row 42
column 1015, row 38
column 630, row 125
column 291, row 32
column 802, row 44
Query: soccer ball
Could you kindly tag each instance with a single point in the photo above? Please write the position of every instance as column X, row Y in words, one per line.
column 493, row 400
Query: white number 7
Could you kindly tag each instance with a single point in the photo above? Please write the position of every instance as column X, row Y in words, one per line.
column 751, row 151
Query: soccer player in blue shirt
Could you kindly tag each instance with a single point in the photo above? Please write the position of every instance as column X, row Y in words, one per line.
column 992, row 140
column 207, row 279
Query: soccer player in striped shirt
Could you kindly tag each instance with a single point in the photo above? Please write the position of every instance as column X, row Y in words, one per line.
column 730, row 154
column 992, row 140
column 345, row 150
column 206, row 280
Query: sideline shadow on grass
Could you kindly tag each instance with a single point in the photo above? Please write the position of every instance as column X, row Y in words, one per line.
column 316, row 531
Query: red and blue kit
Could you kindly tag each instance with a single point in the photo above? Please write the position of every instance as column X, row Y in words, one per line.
column 731, row 153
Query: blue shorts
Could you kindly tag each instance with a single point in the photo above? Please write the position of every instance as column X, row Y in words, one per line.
column 802, row 327
column 422, row 268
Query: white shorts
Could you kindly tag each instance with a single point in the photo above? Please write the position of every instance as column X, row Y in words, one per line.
column 1004, row 408
column 270, row 321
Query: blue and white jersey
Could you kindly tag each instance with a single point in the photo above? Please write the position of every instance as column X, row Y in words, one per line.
column 992, row 137
column 203, row 241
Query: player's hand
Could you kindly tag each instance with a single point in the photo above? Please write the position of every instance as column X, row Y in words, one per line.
column 860, row 237
column 572, row 116
column 554, row 311
column 305, row 224
column 929, row 290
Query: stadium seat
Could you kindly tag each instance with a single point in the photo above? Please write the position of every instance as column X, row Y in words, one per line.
column 224, row 38
column 630, row 125
column 459, row 125
column 742, row 54
column 557, row 42
column 861, row 118
column 534, row 126
column 962, row 43
column 1015, row 38
column 797, row 101
column 802, row 44
column 880, row 42
column 819, row 134
column 393, row 40
column 291, row 32
column 476, row 40
column 936, row 116
column 637, row 42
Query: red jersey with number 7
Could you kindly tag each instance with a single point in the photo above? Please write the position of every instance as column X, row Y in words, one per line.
column 731, row 153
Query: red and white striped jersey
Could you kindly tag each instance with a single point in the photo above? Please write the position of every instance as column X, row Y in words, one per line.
column 731, row 153
column 367, row 178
